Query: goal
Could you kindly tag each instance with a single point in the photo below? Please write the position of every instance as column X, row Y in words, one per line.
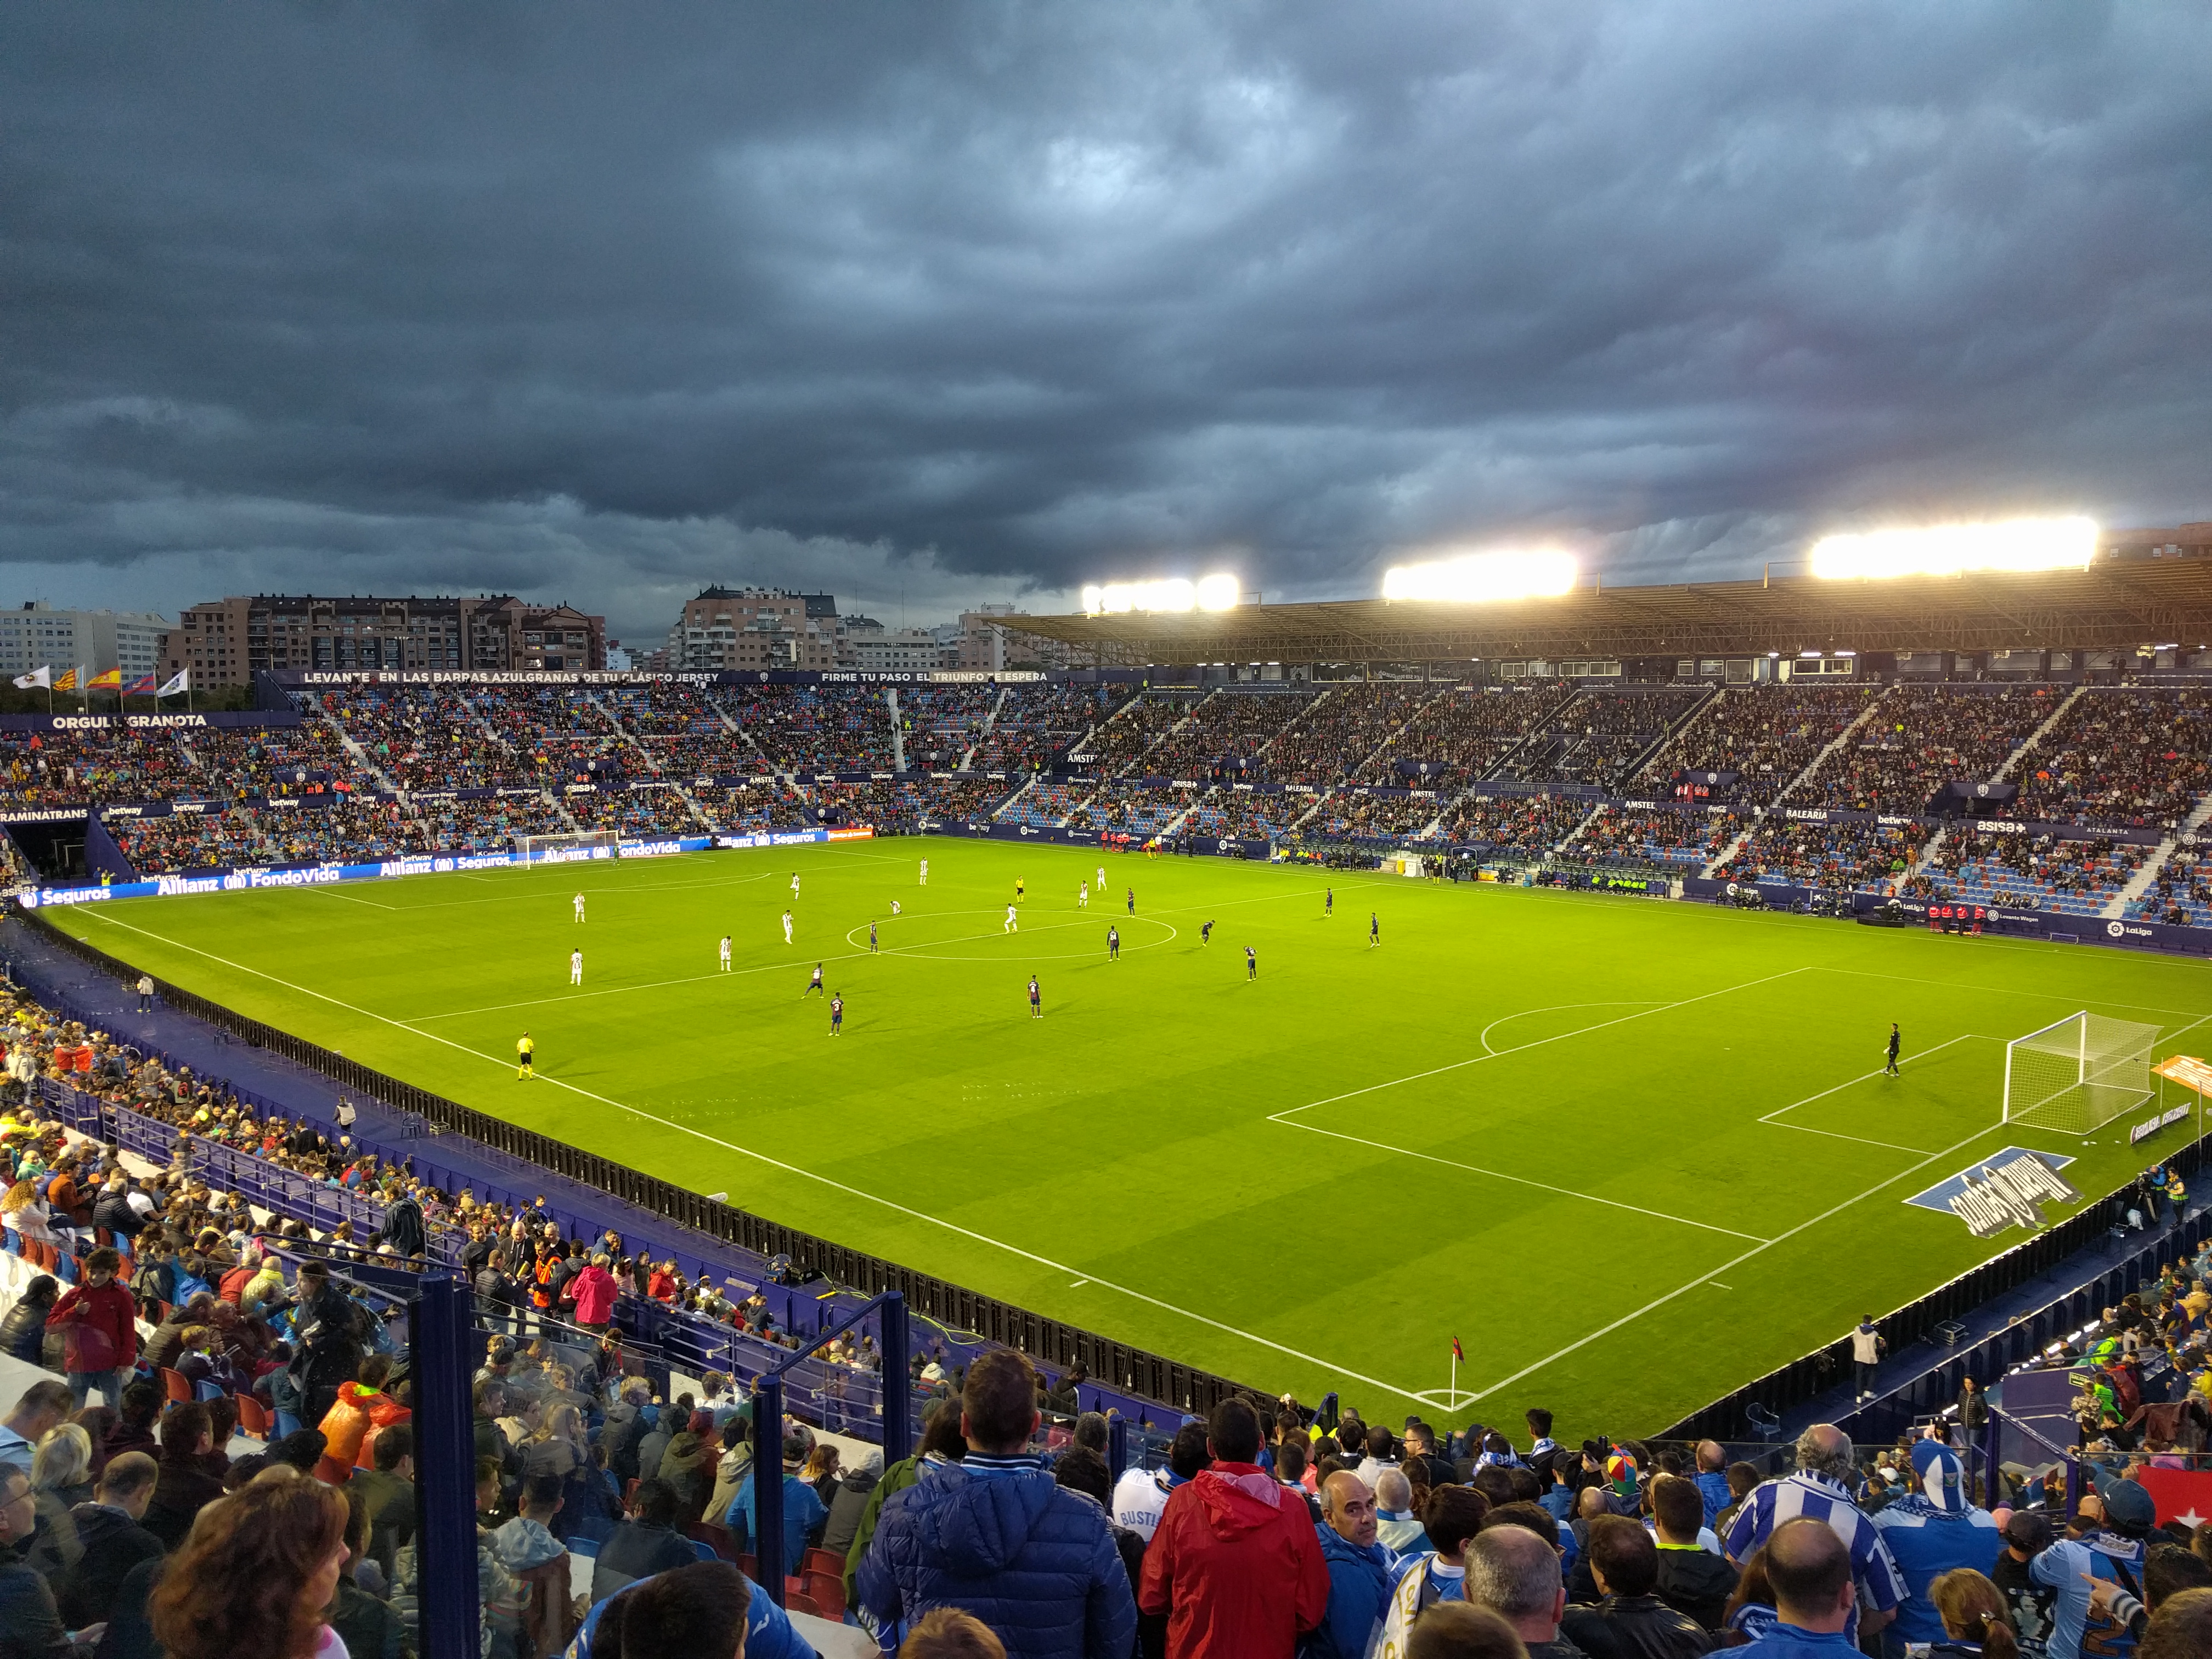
column 568, row 848
column 2078, row 1073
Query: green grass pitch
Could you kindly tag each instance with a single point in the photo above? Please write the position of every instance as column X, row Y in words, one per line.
column 1631, row 1154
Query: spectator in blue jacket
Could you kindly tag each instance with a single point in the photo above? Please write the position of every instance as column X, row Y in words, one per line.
column 803, row 1513
column 769, row 1632
column 1929, row 1533
column 1712, row 1479
column 1358, row 1572
column 996, row 1536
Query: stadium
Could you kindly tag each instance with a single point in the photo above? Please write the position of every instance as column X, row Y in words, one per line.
column 1156, row 832
column 1579, row 918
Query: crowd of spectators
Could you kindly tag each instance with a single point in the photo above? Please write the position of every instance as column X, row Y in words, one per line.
column 1660, row 836
column 813, row 728
column 1469, row 730
column 1227, row 725
column 2073, row 876
column 1245, row 814
column 1338, row 732
column 59, row 769
column 1854, row 856
column 939, row 724
column 489, row 823
column 1529, row 825
column 190, row 841
column 1037, row 723
column 2136, row 755
column 1596, row 737
column 421, row 736
column 678, row 730
column 1922, row 737
column 1045, row 804
column 1121, row 742
column 1767, row 734
column 2181, row 892
column 647, row 810
column 1373, row 815
column 1133, row 809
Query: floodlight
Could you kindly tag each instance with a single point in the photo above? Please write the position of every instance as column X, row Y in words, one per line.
column 1949, row 550
column 1216, row 592
column 1476, row 577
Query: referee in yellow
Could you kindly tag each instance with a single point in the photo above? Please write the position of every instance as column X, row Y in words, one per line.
column 523, row 1051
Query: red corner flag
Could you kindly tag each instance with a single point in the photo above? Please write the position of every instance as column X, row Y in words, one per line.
column 1458, row 1352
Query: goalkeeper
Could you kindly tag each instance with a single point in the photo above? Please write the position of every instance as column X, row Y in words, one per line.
column 1889, row 1065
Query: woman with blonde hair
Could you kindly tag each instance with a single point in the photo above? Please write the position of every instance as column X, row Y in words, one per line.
column 23, row 1212
column 1975, row 1622
column 256, row 1575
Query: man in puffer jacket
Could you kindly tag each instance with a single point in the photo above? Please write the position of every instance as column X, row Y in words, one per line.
column 1234, row 1563
column 995, row 1536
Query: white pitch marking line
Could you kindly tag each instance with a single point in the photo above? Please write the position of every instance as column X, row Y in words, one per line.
column 356, row 898
column 1706, row 1277
column 1519, row 1181
column 792, row 1169
column 1555, row 1008
column 1852, row 1083
column 1477, row 1059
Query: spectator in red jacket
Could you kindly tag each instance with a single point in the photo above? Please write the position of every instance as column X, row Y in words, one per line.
column 595, row 1290
column 99, row 1323
column 1235, row 1563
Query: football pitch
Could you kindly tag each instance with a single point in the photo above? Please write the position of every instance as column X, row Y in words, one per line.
column 1631, row 1154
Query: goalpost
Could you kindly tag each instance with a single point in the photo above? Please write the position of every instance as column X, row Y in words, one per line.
column 571, row 848
column 2078, row 1073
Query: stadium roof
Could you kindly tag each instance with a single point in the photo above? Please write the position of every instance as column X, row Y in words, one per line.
column 2115, row 604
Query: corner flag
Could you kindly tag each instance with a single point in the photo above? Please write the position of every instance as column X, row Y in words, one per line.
column 1458, row 1352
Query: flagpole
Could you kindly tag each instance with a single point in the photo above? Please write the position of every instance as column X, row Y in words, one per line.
column 1451, row 1394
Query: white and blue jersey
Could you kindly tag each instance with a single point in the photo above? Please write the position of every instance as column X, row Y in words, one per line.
column 2067, row 1567
column 1873, row 1569
column 1926, row 1542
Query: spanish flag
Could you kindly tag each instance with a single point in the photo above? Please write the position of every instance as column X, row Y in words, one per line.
column 67, row 681
column 110, row 681
column 1458, row 1352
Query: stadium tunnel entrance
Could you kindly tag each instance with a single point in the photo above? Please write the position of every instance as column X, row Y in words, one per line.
column 54, row 850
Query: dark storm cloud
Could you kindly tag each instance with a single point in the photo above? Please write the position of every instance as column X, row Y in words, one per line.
column 970, row 300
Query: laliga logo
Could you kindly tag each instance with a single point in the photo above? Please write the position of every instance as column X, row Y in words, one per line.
column 1731, row 890
column 2115, row 930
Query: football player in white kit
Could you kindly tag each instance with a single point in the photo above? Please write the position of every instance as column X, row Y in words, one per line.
column 575, row 966
column 787, row 927
column 726, row 953
column 1102, row 877
column 925, row 873
column 1013, row 921
column 578, row 903
column 1083, row 896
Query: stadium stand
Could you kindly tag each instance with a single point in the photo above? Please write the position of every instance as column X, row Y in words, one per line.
column 1037, row 724
column 1853, row 856
column 1229, row 726
column 2135, row 754
column 1119, row 742
column 1597, row 735
column 1920, row 738
column 1523, row 825
column 1662, row 837
column 1378, row 814
column 1767, row 735
column 1467, row 731
column 2077, row 877
column 1340, row 731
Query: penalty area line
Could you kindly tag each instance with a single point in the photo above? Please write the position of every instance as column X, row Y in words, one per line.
column 791, row 1169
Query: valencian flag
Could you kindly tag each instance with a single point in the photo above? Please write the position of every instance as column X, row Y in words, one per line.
column 140, row 686
column 110, row 681
column 1459, row 1354
column 67, row 682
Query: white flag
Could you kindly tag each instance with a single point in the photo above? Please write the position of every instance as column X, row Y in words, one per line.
column 37, row 678
column 182, row 681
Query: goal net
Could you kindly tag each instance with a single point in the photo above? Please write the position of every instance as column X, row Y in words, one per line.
column 569, row 849
column 2077, row 1074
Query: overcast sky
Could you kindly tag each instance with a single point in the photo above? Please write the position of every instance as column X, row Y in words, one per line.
column 978, row 301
